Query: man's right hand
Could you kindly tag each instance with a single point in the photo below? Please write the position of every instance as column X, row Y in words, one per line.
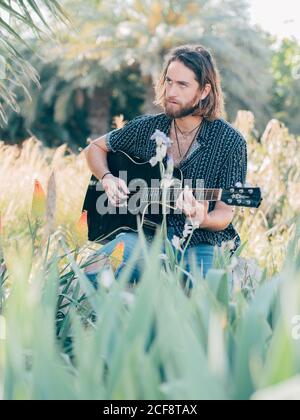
column 116, row 190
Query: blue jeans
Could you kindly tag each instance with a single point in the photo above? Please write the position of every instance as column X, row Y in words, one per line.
column 202, row 253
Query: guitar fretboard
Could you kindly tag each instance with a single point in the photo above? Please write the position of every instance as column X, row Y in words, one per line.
column 172, row 194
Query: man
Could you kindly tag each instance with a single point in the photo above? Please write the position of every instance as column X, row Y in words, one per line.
column 204, row 146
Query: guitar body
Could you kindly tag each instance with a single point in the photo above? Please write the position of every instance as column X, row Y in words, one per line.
column 111, row 223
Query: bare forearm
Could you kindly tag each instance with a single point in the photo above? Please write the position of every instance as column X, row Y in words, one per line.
column 218, row 219
column 96, row 159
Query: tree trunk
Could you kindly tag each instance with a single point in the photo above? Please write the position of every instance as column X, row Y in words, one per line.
column 99, row 113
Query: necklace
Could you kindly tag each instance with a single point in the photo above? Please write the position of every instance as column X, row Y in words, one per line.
column 176, row 135
column 186, row 133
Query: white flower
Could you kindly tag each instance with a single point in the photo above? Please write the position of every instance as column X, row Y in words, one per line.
column 162, row 144
column 176, row 242
column 231, row 244
column 107, row 278
column 188, row 229
column 163, row 149
column 161, row 138
column 153, row 161
column 159, row 154
column 195, row 223
column 159, row 141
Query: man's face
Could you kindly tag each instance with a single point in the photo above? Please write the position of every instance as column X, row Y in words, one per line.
column 182, row 91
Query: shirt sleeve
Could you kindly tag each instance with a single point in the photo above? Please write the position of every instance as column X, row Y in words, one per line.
column 235, row 167
column 124, row 139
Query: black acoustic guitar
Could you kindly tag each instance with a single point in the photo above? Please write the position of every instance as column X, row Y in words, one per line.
column 145, row 198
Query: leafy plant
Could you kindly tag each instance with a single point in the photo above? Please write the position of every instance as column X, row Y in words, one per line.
column 17, row 17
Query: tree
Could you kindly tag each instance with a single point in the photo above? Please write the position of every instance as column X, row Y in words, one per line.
column 60, row 109
column 119, row 39
column 143, row 31
column 24, row 15
column 286, row 89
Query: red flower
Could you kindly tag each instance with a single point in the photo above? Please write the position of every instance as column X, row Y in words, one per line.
column 38, row 208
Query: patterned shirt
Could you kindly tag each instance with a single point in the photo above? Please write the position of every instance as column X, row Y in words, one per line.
column 219, row 158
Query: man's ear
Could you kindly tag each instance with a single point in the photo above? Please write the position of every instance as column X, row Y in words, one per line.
column 206, row 91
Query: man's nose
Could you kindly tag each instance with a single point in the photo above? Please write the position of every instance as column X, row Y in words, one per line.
column 172, row 93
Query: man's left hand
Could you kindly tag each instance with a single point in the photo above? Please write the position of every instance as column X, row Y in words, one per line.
column 196, row 211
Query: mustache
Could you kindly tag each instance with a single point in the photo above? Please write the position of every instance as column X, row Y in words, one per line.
column 170, row 100
column 183, row 112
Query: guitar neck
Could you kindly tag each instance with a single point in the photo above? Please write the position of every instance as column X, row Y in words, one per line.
column 155, row 194
column 208, row 194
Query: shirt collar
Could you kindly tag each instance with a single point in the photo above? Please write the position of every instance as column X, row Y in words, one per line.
column 203, row 135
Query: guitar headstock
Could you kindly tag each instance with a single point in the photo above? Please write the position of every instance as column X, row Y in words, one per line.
column 242, row 196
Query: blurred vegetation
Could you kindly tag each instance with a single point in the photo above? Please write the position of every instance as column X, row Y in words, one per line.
column 108, row 63
column 60, row 339
column 60, row 114
column 286, row 87
column 20, row 20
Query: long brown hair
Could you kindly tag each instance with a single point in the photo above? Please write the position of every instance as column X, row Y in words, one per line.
column 200, row 61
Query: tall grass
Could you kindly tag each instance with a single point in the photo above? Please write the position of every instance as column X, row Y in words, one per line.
column 21, row 166
column 64, row 340
column 232, row 337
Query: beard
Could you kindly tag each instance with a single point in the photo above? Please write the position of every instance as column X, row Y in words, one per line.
column 177, row 111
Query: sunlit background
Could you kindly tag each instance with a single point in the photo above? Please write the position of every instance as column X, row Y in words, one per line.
column 282, row 19
column 105, row 64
